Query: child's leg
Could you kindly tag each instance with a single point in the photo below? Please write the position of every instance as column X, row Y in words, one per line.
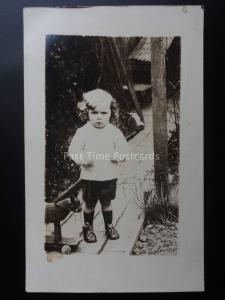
column 89, row 235
column 88, row 215
column 107, row 192
column 90, row 200
column 107, row 213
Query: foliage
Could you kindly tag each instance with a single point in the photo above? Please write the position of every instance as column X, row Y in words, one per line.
column 66, row 73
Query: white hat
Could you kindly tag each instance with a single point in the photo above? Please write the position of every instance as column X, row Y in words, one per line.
column 98, row 96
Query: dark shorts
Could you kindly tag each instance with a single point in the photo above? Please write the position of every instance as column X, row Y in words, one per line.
column 104, row 191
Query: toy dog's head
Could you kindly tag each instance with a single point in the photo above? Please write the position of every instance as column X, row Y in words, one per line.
column 59, row 210
column 75, row 204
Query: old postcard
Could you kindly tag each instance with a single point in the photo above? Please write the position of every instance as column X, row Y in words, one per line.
column 114, row 149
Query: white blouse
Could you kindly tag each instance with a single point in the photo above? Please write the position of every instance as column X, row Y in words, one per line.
column 100, row 145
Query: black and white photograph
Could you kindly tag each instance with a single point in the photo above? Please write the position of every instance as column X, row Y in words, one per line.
column 112, row 145
column 113, row 148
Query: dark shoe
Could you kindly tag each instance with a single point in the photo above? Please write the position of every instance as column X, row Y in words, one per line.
column 111, row 232
column 89, row 235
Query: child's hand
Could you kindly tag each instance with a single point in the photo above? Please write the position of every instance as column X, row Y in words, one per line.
column 118, row 158
column 87, row 160
column 113, row 158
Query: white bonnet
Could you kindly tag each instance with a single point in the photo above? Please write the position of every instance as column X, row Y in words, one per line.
column 98, row 96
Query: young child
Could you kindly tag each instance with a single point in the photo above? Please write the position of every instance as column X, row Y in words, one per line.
column 96, row 147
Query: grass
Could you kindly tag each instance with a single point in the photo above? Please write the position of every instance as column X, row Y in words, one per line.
column 160, row 210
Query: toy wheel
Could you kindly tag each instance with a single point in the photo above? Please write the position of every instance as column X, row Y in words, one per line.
column 66, row 249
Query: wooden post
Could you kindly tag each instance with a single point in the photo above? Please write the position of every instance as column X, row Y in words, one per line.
column 159, row 106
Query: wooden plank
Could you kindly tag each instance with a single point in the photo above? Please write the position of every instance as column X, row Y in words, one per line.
column 127, row 79
column 128, row 227
column 159, row 105
column 73, row 228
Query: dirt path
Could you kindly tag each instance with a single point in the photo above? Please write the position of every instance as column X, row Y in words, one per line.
column 157, row 239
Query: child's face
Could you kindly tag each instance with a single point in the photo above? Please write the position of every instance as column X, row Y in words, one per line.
column 99, row 117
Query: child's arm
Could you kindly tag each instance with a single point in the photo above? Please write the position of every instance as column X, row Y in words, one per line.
column 121, row 148
column 76, row 150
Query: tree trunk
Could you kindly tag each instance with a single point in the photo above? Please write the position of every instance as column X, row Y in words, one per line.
column 159, row 105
